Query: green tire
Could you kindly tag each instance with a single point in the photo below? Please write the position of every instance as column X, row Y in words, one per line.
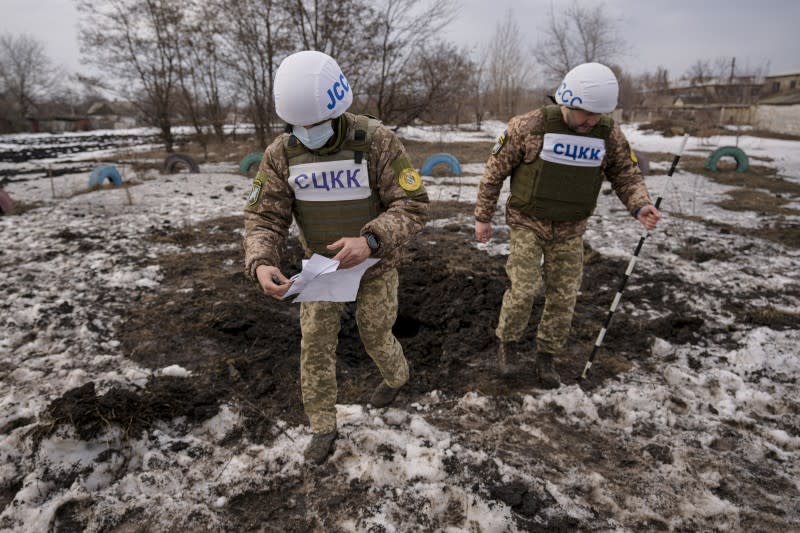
column 253, row 158
column 742, row 163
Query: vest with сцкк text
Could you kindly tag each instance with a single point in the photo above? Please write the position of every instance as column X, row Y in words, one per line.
column 334, row 196
column 562, row 183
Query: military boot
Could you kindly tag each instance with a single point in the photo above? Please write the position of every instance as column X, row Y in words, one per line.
column 548, row 376
column 508, row 356
column 383, row 395
column 320, row 447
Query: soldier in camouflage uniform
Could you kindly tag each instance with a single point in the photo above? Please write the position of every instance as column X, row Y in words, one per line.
column 350, row 186
column 557, row 157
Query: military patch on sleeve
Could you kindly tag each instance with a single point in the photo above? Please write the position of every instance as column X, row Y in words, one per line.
column 409, row 179
column 633, row 155
column 501, row 141
column 255, row 190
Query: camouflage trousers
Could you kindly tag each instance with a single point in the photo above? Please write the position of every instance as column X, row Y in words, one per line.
column 563, row 270
column 376, row 311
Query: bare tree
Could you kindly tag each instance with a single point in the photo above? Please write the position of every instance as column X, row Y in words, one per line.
column 137, row 43
column 403, row 27
column 438, row 90
column 700, row 72
column 202, row 71
column 328, row 27
column 478, row 85
column 508, row 68
column 257, row 37
column 26, row 76
column 629, row 96
column 657, row 81
column 578, row 34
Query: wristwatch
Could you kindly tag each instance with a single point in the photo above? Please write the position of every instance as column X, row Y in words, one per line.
column 372, row 241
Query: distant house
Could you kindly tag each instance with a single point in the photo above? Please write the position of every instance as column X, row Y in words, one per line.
column 781, row 84
column 686, row 100
column 43, row 124
column 115, row 115
column 779, row 110
column 707, row 102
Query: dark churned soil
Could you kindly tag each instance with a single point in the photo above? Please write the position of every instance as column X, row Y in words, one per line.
column 242, row 346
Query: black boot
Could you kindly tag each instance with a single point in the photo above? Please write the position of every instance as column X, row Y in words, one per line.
column 383, row 395
column 508, row 356
column 320, row 447
column 548, row 376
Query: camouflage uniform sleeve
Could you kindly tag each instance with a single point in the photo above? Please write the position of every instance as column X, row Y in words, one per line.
column 268, row 213
column 508, row 152
column 624, row 173
column 400, row 190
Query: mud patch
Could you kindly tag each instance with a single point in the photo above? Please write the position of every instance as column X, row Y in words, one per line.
column 758, row 201
column 786, row 233
column 209, row 318
column 164, row 398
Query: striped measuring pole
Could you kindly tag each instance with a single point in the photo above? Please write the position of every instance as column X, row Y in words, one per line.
column 628, row 271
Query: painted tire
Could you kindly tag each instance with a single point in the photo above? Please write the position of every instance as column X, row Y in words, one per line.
column 441, row 159
column 100, row 174
column 6, row 203
column 253, row 158
column 742, row 163
column 174, row 162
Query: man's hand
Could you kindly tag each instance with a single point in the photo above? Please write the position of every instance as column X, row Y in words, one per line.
column 649, row 216
column 354, row 250
column 483, row 231
column 272, row 281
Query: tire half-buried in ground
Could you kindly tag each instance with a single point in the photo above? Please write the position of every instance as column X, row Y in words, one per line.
column 174, row 163
column 100, row 174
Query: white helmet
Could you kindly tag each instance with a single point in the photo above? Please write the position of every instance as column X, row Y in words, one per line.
column 309, row 88
column 590, row 86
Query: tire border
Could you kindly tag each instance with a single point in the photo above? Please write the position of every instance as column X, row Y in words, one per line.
column 249, row 160
column 742, row 162
column 172, row 160
column 99, row 175
column 438, row 159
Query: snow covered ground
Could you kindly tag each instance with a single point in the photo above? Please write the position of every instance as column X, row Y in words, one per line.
column 713, row 427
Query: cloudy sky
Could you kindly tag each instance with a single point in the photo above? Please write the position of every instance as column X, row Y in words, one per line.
column 673, row 34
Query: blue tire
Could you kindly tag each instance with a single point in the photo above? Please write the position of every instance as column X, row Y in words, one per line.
column 253, row 158
column 441, row 159
column 742, row 163
column 100, row 174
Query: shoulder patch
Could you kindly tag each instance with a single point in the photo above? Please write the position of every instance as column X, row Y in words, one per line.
column 501, row 141
column 255, row 190
column 409, row 179
column 633, row 155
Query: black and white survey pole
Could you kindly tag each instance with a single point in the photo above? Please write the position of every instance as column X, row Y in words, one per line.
column 628, row 271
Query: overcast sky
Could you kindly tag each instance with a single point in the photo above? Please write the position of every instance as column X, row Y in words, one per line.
column 669, row 33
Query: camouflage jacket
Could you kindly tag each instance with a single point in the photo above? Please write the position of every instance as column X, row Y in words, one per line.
column 403, row 214
column 520, row 144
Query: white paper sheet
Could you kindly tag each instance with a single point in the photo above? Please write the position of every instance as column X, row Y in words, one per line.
column 321, row 280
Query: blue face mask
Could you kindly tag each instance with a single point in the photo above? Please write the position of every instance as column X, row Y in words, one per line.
column 314, row 137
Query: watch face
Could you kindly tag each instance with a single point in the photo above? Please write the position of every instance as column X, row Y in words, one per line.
column 372, row 242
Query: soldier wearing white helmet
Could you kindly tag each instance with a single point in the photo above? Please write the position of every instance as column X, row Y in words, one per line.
column 557, row 157
column 350, row 186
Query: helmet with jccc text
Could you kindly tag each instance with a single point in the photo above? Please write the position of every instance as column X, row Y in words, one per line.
column 309, row 88
column 590, row 86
